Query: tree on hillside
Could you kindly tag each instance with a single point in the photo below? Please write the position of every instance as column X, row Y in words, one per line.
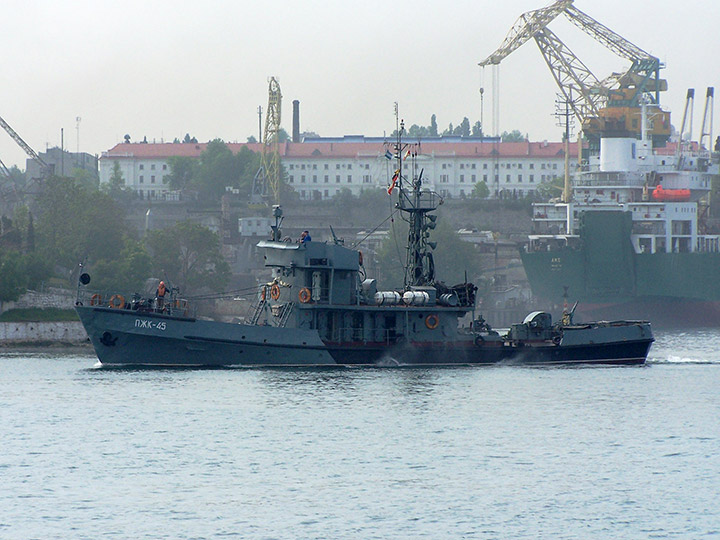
column 453, row 256
column 75, row 222
column 433, row 126
column 182, row 172
column 189, row 254
column 480, row 190
column 127, row 272
column 513, row 136
column 477, row 129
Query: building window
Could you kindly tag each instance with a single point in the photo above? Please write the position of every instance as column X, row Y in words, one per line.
column 349, row 178
column 462, row 165
column 519, row 177
column 507, row 179
column 337, row 165
column 532, row 165
column 473, row 165
column 367, row 167
column 555, row 166
column 327, row 178
column 142, row 179
column 302, row 179
column 152, row 179
column 302, row 166
column 164, row 166
column 337, row 178
column 292, row 166
column 484, row 165
column 519, row 165
column 314, row 178
column 444, row 165
column 315, row 166
column 484, row 177
column 152, row 167
column 366, row 179
column 444, row 178
column 349, row 166
column 473, row 179
column 327, row 166
column 327, row 194
column 532, row 178
column 291, row 179
column 142, row 166
column 462, row 178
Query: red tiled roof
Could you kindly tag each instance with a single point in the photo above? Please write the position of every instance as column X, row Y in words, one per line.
column 348, row 150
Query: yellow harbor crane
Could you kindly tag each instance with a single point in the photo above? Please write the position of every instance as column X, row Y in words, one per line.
column 266, row 184
column 610, row 107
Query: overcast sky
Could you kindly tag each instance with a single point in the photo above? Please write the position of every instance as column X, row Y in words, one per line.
column 160, row 69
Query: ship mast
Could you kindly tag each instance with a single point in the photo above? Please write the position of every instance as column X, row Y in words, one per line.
column 417, row 204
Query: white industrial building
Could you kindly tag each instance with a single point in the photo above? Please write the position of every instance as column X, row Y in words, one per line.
column 320, row 168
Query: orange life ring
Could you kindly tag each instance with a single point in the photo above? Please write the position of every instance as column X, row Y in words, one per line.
column 96, row 299
column 304, row 295
column 360, row 258
column 275, row 291
column 181, row 305
column 432, row 321
column 116, row 301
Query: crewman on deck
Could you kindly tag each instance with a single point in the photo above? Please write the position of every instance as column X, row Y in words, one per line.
column 160, row 296
column 305, row 237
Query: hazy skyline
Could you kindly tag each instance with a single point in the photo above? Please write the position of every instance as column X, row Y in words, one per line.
column 163, row 69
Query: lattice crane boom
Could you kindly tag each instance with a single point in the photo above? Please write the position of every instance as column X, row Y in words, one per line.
column 25, row 146
column 525, row 28
column 608, row 105
column 266, row 183
column 577, row 83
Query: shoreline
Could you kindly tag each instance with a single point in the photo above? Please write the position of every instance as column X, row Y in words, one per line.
column 46, row 346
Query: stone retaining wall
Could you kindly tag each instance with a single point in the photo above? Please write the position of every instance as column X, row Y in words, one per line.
column 66, row 332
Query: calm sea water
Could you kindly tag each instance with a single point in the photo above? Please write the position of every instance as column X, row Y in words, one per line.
column 500, row 452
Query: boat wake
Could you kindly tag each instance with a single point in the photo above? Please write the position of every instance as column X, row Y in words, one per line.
column 673, row 359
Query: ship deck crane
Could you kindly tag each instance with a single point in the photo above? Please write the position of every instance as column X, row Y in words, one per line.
column 266, row 184
column 604, row 107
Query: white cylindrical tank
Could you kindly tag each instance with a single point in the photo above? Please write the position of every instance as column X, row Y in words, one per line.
column 387, row 298
column 416, row 298
column 448, row 299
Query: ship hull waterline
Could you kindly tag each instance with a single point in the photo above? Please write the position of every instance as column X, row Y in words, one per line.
column 125, row 338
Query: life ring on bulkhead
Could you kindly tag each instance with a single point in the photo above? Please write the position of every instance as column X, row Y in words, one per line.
column 116, row 301
column 181, row 305
column 275, row 291
column 432, row 321
column 479, row 340
column 360, row 258
column 96, row 299
column 304, row 295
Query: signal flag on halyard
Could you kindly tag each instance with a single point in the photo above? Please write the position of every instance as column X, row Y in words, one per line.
column 388, row 155
column 393, row 182
column 408, row 154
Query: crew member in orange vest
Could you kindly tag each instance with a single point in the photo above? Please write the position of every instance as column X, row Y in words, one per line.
column 160, row 295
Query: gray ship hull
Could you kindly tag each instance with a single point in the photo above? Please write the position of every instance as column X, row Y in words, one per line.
column 130, row 338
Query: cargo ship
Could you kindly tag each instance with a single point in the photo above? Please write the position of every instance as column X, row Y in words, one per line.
column 633, row 238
